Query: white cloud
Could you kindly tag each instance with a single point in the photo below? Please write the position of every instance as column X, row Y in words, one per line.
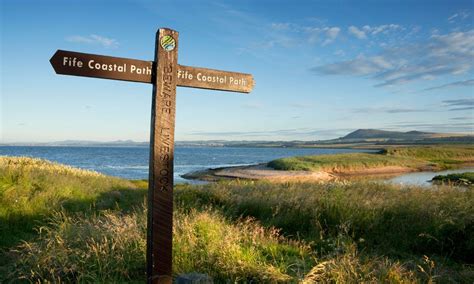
column 280, row 26
column 325, row 34
column 280, row 134
column 365, row 31
column 339, row 53
column 461, row 15
column 465, row 83
column 389, row 110
column 331, row 34
column 460, row 105
column 453, row 17
column 290, row 34
column 384, row 29
column 94, row 39
column 448, row 54
column 360, row 34
column 359, row 66
column 460, row 102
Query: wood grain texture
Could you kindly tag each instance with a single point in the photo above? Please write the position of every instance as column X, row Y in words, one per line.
column 204, row 78
column 62, row 62
column 160, row 192
column 191, row 77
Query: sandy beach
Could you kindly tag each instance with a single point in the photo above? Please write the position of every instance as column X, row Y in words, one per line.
column 263, row 172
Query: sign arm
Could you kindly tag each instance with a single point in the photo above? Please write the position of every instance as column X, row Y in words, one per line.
column 211, row 79
column 125, row 69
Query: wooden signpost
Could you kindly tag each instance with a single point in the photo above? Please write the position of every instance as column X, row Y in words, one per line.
column 165, row 74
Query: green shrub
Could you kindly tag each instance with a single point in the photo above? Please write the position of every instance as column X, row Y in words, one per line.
column 441, row 157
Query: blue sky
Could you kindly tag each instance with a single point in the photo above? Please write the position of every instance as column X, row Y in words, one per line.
column 322, row 68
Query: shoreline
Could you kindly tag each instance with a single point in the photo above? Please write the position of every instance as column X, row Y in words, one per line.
column 263, row 172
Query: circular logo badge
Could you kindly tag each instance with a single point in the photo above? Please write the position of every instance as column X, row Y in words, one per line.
column 168, row 43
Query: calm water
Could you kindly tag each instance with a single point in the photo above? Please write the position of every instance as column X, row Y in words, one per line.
column 132, row 162
column 424, row 178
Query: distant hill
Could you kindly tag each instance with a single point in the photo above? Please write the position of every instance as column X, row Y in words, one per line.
column 358, row 138
column 384, row 134
column 81, row 143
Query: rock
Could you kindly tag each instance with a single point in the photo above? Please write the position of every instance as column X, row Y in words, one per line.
column 194, row 278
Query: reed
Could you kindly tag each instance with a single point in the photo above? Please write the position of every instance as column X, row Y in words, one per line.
column 92, row 228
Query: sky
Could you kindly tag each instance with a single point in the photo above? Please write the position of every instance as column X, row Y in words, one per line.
column 322, row 68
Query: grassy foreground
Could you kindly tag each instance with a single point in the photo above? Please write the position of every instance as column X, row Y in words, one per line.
column 66, row 225
column 439, row 157
column 456, row 179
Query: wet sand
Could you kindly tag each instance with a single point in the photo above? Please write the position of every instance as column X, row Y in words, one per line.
column 263, row 172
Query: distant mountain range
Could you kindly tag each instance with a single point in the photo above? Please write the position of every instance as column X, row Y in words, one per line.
column 359, row 137
column 81, row 143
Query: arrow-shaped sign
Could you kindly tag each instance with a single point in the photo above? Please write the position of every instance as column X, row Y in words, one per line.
column 125, row 69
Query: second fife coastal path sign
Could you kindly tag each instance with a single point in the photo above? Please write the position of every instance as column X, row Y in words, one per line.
column 165, row 74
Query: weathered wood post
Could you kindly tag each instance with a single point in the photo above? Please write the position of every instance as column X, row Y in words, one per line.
column 160, row 191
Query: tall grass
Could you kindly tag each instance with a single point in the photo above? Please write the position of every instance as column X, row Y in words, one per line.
column 395, row 220
column 411, row 157
column 342, row 162
column 94, row 230
column 110, row 247
column 434, row 153
column 30, row 189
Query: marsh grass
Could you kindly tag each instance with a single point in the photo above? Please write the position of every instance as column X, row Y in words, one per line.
column 397, row 221
column 447, row 154
column 94, row 230
column 30, row 189
column 441, row 157
column 466, row 179
column 102, row 248
column 110, row 247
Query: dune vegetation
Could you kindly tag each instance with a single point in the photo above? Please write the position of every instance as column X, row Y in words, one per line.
column 415, row 158
column 61, row 224
column 466, row 179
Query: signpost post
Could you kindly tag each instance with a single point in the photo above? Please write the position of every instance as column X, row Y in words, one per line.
column 165, row 74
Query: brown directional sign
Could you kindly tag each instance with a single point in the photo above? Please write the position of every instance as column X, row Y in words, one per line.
column 108, row 67
column 204, row 78
column 165, row 74
column 100, row 66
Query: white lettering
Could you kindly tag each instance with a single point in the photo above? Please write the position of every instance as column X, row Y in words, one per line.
column 72, row 62
column 139, row 71
column 234, row 81
column 211, row 79
column 185, row 75
column 109, row 67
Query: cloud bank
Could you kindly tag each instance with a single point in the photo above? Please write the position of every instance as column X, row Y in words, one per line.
column 94, row 39
column 448, row 54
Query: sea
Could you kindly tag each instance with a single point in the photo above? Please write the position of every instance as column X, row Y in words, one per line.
column 132, row 162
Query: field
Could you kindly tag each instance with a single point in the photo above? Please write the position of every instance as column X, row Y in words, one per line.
column 62, row 224
column 416, row 158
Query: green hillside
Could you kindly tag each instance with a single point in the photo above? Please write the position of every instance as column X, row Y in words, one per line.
column 437, row 157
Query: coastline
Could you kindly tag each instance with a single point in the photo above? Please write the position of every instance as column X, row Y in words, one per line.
column 256, row 172
column 263, row 172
